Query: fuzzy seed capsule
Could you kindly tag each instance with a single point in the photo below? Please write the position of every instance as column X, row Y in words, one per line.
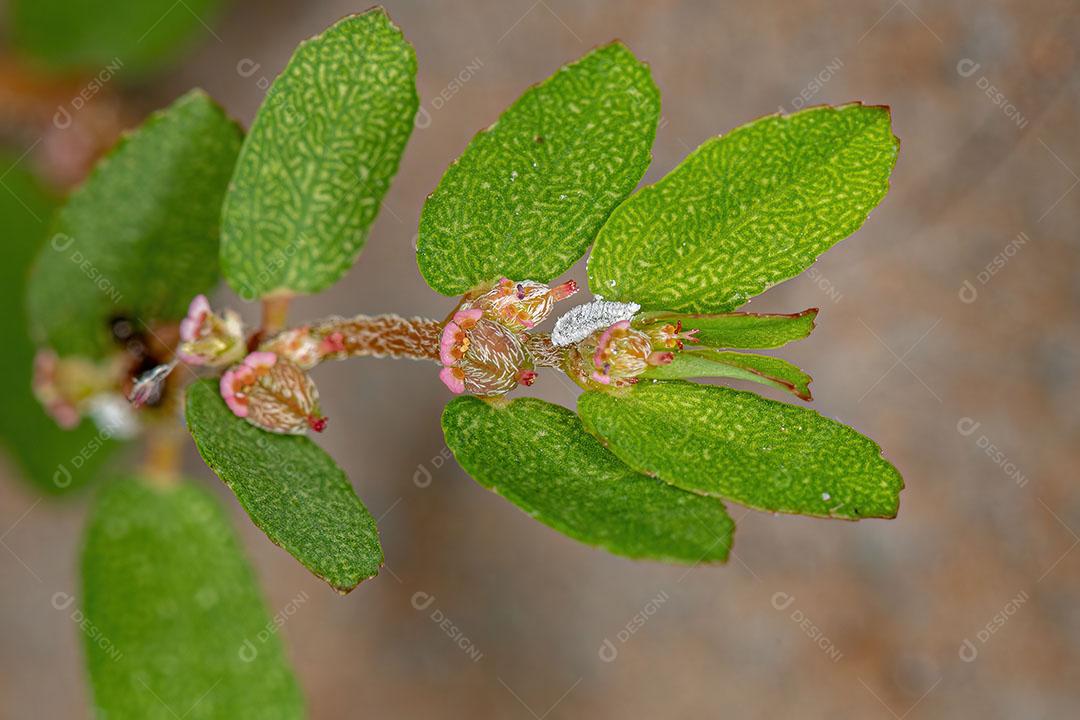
column 482, row 357
column 273, row 393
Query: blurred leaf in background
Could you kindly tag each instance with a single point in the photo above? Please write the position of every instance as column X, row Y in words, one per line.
column 139, row 238
column 52, row 459
column 137, row 35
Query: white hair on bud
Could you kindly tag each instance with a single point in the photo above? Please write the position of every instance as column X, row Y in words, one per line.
column 582, row 321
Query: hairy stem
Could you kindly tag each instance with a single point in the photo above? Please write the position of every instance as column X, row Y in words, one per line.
column 367, row 336
column 544, row 352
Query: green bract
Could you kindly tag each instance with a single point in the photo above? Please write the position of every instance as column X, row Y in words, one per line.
column 742, row 447
column 708, row 362
column 746, row 210
column 319, row 159
column 529, row 193
column 538, row 457
column 291, row 489
column 139, row 238
column 174, row 624
column 738, row 330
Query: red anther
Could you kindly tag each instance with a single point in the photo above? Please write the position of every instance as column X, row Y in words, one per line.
column 318, row 424
column 563, row 291
column 527, row 377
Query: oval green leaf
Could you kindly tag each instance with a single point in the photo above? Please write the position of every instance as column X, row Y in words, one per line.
column 703, row 362
column 538, row 456
column 292, row 490
column 139, row 238
column 746, row 210
column 53, row 460
column 174, row 623
column 319, row 158
column 737, row 330
column 529, row 193
column 742, row 447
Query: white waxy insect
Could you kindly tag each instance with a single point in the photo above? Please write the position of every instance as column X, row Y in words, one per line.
column 582, row 321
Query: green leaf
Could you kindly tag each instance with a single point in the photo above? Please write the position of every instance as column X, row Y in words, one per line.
column 139, row 238
column 527, row 196
column 738, row 330
column 538, row 457
column 746, row 210
column 133, row 36
column 319, row 158
column 291, row 489
column 742, row 447
column 708, row 362
column 174, row 624
column 51, row 459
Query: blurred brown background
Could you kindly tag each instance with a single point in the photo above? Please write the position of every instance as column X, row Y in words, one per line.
column 966, row 605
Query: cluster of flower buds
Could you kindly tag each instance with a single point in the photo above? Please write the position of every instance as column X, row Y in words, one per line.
column 483, row 345
column 273, row 393
column 604, row 348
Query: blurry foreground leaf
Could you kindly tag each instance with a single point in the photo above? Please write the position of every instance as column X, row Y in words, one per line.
column 174, row 623
column 89, row 35
column 52, row 459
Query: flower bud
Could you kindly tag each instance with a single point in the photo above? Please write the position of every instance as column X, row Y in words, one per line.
column 273, row 393
column 209, row 339
column 482, row 357
column 670, row 335
column 521, row 305
column 616, row 355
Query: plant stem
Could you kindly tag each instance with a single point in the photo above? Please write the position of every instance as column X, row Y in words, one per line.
column 388, row 336
column 275, row 314
column 161, row 464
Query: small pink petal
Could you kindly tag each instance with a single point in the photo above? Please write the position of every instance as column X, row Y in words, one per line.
column 260, row 359
column 471, row 314
column 197, row 312
column 189, row 358
column 605, row 340
column 451, row 380
column 228, row 393
column 447, row 343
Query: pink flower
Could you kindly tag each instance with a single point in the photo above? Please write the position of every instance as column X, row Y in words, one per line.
column 209, row 339
column 273, row 393
column 194, row 325
column 522, row 305
column 481, row 356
